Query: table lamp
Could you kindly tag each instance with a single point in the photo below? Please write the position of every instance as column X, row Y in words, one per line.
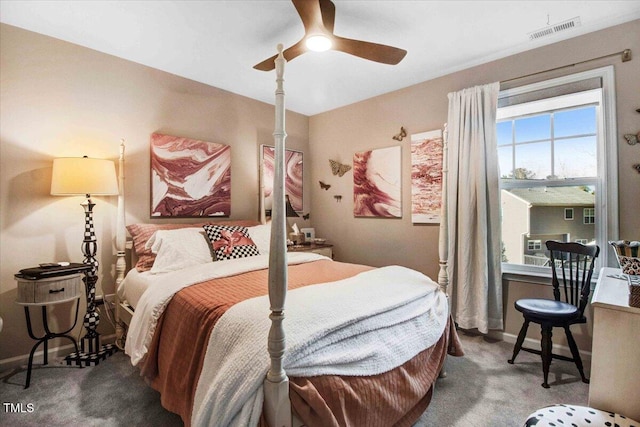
column 73, row 176
column 295, row 236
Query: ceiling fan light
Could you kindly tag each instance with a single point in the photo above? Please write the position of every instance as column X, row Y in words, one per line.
column 318, row 43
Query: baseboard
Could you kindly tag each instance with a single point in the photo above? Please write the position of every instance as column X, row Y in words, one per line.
column 56, row 354
column 562, row 350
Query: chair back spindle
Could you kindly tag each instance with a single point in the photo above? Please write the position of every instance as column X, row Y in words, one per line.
column 576, row 262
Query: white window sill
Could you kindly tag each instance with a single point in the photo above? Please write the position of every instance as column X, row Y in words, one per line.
column 526, row 274
column 536, row 275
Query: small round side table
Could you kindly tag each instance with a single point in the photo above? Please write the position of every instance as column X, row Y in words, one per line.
column 42, row 293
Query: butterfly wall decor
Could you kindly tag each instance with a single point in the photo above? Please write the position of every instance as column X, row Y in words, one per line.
column 338, row 168
column 401, row 135
column 324, row 186
column 632, row 139
column 306, row 216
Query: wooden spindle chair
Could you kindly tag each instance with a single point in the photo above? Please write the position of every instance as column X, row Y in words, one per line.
column 572, row 267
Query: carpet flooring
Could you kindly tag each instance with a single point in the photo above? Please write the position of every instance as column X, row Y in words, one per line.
column 481, row 390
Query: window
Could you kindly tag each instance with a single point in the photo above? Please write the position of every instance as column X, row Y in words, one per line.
column 568, row 214
column 583, row 241
column 554, row 159
column 589, row 215
column 534, row 245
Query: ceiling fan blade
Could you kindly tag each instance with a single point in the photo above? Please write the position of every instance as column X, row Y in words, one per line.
column 371, row 51
column 328, row 10
column 289, row 53
column 318, row 17
column 310, row 14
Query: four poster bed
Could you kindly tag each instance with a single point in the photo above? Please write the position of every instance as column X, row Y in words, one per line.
column 364, row 345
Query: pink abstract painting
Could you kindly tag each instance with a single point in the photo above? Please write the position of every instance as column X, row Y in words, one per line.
column 293, row 176
column 426, row 177
column 189, row 178
column 377, row 183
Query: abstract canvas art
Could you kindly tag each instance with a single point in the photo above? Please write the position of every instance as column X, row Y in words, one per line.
column 377, row 183
column 426, row 177
column 189, row 178
column 293, row 170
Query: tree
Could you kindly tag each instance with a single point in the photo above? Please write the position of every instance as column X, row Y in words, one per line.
column 503, row 252
column 522, row 173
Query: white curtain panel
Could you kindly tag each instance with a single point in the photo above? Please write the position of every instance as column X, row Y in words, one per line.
column 473, row 202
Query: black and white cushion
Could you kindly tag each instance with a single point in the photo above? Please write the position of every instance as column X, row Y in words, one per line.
column 230, row 242
column 577, row 416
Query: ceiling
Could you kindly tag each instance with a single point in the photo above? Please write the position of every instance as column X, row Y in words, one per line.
column 218, row 42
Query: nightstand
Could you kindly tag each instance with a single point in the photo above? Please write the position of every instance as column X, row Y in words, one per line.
column 42, row 293
column 326, row 250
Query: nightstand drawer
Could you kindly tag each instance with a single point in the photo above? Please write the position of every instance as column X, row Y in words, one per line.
column 49, row 291
column 328, row 252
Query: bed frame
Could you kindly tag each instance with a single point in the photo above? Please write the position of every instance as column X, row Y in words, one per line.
column 277, row 407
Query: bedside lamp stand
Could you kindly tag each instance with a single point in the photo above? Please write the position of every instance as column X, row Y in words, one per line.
column 74, row 176
column 90, row 344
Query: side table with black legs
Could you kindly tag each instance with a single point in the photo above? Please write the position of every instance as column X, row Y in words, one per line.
column 42, row 293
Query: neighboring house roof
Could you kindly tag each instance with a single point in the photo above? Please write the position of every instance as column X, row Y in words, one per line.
column 555, row 196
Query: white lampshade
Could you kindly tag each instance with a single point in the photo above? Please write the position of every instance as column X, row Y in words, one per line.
column 82, row 175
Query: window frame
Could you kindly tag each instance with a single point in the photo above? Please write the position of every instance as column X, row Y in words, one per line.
column 606, row 183
column 573, row 215
column 588, row 213
column 536, row 243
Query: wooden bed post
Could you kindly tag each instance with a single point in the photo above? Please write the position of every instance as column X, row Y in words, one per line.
column 443, row 243
column 277, row 407
column 121, row 234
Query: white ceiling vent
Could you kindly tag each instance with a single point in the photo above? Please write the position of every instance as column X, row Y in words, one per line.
column 555, row 28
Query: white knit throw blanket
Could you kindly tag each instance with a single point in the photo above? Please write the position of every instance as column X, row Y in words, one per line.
column 364, row 325
column 156, row 298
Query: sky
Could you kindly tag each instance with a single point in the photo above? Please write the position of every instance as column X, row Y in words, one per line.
column 571, row 152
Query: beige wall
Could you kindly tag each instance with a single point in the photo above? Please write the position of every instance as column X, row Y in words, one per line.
column 338, row 134
column 59, row 99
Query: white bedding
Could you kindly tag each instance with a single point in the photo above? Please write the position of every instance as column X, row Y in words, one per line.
column 134, row 285
column 161, row 287
column 178, row 249
column 364, row 325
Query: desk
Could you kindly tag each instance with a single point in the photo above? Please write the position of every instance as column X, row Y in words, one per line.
column 615, row 359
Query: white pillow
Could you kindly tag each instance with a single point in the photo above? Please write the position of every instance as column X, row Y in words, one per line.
column 261, row 236
column 178, row 249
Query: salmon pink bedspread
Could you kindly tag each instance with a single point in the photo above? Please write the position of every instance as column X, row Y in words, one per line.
column 395, row 398
column 176, row 355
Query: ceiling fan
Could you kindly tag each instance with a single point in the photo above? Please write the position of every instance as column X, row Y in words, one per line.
column 318, row 17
